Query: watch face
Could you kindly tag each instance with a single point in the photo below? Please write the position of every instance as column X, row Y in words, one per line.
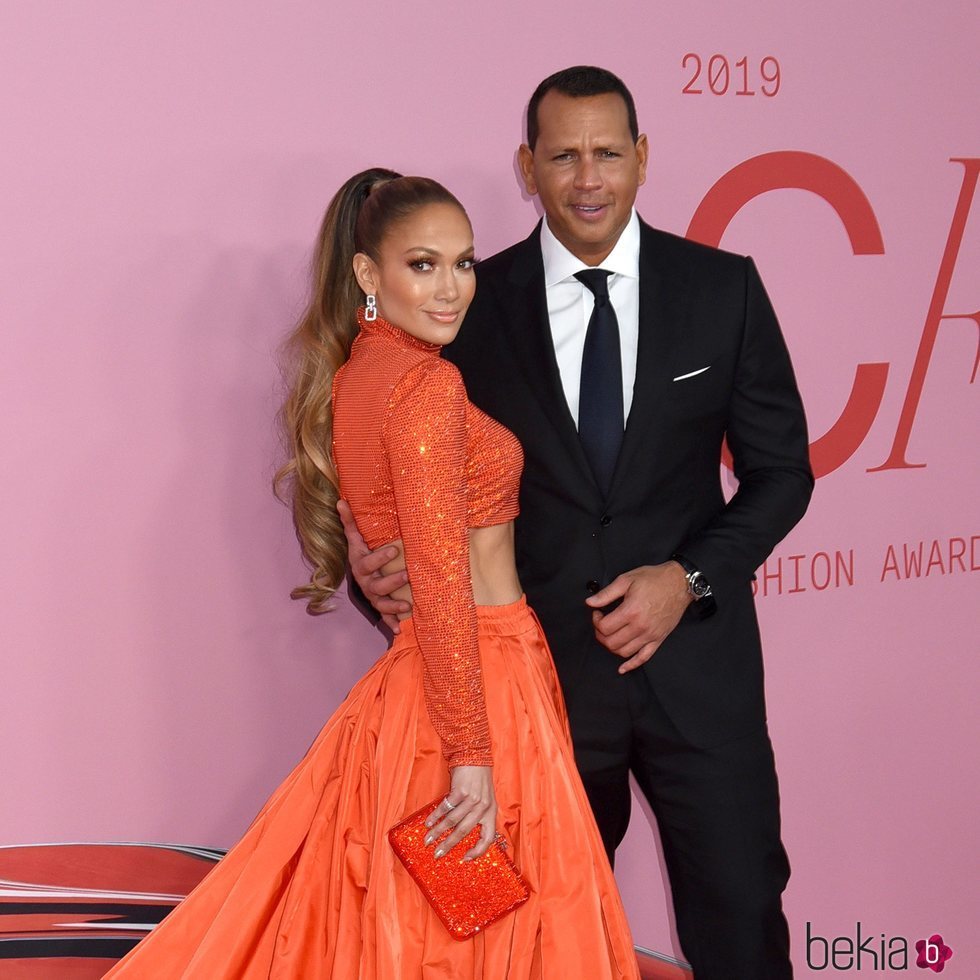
column 699, row 585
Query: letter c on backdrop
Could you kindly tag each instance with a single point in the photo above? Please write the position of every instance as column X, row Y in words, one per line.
column 793, row 169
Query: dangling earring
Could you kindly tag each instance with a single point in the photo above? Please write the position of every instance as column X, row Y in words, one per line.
column 371, row 308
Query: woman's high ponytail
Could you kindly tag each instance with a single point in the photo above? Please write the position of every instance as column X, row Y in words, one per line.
column 318, row 346
column 356, row 220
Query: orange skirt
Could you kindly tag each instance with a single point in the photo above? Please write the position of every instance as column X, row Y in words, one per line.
column 313, row 889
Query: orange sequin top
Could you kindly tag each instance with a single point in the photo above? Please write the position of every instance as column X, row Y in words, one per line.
column 418, row 461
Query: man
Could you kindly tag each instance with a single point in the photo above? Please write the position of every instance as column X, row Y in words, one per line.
column 640, row 572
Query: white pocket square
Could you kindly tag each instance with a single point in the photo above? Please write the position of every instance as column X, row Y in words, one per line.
column 691, row 374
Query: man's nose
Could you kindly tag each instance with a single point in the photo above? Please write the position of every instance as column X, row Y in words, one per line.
column 587, row 173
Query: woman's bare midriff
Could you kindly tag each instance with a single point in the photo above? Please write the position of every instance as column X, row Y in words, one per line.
column 492, row 567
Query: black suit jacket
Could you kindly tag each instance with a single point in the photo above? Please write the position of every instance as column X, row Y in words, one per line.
column 699, row 307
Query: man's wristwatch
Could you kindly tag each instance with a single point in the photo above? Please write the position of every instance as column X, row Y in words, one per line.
column 697, row 584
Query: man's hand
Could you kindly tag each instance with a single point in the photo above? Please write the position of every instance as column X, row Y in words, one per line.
column 654, row 599
column 366, row 568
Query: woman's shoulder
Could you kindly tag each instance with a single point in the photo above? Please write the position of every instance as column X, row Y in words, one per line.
column 433, row 377
column 430, row 394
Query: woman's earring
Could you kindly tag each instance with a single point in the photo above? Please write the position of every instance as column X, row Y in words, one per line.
column 371, row 308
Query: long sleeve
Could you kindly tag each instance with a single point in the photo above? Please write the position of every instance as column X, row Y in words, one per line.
column 767, row 434
column 425, row 438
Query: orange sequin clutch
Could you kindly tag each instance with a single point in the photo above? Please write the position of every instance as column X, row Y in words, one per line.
column 466, row 895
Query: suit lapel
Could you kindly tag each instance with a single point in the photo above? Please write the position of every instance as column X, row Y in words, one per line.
column 527, row 326
column 663, row 288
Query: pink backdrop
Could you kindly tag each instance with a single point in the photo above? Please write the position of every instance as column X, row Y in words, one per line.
column 163, row 173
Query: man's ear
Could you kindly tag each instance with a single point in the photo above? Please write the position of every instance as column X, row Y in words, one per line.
column 525, row 160
column 642, row 155
column 365, row 272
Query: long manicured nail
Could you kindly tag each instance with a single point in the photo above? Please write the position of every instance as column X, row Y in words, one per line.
column 439, row 852
column 430, row 840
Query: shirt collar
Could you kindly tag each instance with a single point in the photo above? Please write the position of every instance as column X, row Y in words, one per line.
column 560, row 264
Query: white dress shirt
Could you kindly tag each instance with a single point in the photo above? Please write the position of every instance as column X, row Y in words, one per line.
column 570, row 305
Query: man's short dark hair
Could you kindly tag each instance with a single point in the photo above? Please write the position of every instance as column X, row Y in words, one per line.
column 579, row 83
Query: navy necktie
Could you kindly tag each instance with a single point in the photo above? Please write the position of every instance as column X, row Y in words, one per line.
column 600, row 407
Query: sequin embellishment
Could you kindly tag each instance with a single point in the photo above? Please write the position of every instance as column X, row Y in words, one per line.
column 419, row 462
column 466, row 895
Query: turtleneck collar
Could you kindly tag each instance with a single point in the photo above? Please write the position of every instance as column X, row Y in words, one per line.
column 382, row 328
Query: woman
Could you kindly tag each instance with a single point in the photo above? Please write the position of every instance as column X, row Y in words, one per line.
column 465, row 704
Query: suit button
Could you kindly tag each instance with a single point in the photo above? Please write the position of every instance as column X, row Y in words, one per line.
column 592, row 585
column 605, row 520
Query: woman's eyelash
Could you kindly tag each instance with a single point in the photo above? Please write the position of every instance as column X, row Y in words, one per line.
column 417, row 263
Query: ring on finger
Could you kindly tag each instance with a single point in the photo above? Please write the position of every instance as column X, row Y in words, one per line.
column 448, row 805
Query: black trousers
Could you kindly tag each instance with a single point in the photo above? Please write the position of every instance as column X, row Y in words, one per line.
column 717, row 810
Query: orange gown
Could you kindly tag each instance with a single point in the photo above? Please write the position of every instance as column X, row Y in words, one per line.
column 313, row 889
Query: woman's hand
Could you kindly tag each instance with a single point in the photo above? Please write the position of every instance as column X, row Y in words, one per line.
column 470, row 801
